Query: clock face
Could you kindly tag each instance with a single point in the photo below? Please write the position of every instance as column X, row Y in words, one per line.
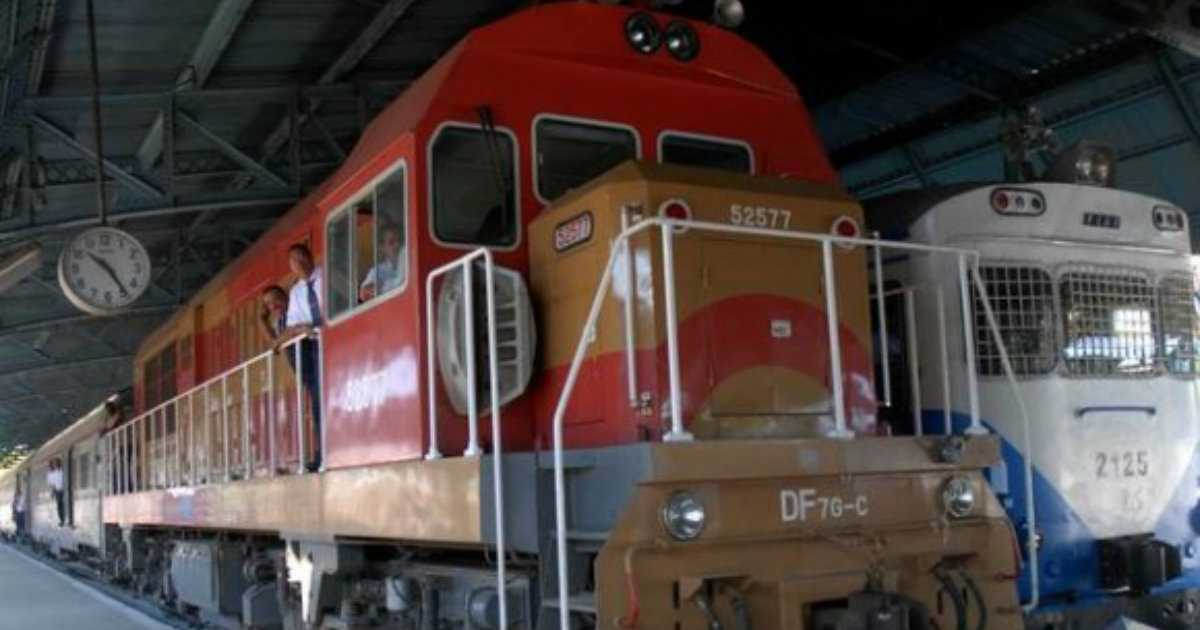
column 103, row 270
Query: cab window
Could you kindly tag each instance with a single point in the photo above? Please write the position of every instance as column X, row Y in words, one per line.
column 367, row 245
column 704, row 152
column 571, row 153
column 474, row 196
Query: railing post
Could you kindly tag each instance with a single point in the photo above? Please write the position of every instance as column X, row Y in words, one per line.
column 629, row 303
column 178, row 459
column 469, row 346
column 269, row 417
column 247, row 451
column 968, row 326
column 208, row 430
column 497, row 450
column 301, row 443
column 945, row 354
column 225, row 438
column 677, row 432
column 910, row 316
column 835, row 344
column 191, row 404
column 430, row 370
column 881, row 316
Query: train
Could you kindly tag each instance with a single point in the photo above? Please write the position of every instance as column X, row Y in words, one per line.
column 621, row 375
column 1092, row 289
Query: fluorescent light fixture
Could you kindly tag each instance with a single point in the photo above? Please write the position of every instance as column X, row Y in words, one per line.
column 18, row 264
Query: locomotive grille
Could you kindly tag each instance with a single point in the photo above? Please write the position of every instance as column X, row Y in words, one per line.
column 1022, row 299
column 1177, row 307
column 1110, row 322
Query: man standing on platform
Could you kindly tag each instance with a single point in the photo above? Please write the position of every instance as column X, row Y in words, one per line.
column 305, row 313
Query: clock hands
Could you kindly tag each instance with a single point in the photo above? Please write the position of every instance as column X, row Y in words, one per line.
column 112, row 274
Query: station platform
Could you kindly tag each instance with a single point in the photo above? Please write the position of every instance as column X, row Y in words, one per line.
column 34, row 596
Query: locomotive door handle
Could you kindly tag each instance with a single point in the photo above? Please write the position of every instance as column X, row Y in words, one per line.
column 1149, row 410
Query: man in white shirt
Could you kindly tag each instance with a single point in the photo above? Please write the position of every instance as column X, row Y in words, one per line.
column 306, row 312
column 387, row 274
column 54, row 480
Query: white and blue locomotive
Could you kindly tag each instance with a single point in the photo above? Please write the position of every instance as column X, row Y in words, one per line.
column 1093, row 390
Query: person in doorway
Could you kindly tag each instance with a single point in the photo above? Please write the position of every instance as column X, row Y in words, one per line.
column 387, row 273
column 306, row 313
column 18, row 511
column 54, row 481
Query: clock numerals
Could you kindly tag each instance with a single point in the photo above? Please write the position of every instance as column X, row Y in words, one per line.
column 80, row 282
column 137, row 267
column 75, row 268
column 105, row 240
column 108, row 297
column 133, row 284
column 133, row 254
column 77, row 254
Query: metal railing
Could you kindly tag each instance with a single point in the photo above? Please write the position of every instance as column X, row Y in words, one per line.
column 967, row 263
column 226, row 428
column 464, row 265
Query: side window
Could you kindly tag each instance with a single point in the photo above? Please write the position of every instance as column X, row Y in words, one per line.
column 1022, row 299
column 571, row 153
column 338, row 259
column 367, row 245
column 474, row 195
column 704, row 152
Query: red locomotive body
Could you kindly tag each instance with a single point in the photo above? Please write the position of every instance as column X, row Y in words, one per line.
column 561, row 61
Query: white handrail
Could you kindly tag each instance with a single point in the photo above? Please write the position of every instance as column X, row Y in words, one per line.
column 881, row 316
column 667, row 226
column 144, row 465
column 464, row 264
column 1030, row 540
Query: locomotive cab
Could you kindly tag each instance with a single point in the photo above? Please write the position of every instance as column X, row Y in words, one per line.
column 749, row 513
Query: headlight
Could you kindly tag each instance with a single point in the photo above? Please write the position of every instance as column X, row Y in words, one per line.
column 683, row 516
column 958, row 497
column 682, row 41
column 642, row 32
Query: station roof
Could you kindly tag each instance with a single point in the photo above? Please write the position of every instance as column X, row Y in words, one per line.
column 219, row 114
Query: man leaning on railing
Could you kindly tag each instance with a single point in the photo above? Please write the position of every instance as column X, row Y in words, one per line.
column 305, row 314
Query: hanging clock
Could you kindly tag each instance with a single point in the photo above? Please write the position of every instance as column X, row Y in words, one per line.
column 103, row 270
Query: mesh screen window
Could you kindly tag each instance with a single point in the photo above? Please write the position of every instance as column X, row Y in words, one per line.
column 1110, row 322
column 1022, row 299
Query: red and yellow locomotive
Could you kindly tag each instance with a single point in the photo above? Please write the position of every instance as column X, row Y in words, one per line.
column 703, row 471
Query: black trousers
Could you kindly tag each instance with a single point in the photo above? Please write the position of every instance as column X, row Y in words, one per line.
column 60, row 504
column 310, row 379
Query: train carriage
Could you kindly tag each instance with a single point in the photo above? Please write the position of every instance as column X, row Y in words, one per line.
column 580, row 401
column 1092, row 289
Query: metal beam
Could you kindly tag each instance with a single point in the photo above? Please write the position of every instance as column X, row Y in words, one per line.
column 76, row 364
column 367, row 38
column 959, row 156
column 926, row 65
column 250, row 164
column 224, row 22
column 134, row 182
column 214, row 96
column 134, row 312
column 145, row 213
column 1184, row 105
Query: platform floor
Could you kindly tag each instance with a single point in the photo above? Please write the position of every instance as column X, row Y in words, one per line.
column 34, row 596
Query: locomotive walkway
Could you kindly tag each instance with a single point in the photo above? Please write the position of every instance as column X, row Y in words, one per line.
column 35, row 597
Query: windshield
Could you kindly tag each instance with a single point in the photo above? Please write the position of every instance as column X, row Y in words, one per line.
column 1109, row 321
